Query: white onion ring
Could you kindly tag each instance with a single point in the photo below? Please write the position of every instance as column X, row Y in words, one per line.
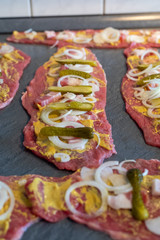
column 68, row 76
column 3, row 216
column 50, row 121
column 150, row 51
column 130, row 73
column 63, row 156
column 81, row 40
column 65, row 35
column 151, row 114
column 80, row 54
column 126, row 161
column 104, row 196
column 120, row 189
column 81, row 67
column 149, row 105
column 131, row 78
column 114, row 33
column 73, row 146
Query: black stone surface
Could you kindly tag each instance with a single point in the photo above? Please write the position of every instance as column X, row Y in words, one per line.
column 128, row 138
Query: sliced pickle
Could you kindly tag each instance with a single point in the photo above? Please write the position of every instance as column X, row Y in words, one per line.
column 144, row 66
column 77, row 61
column 73, row 89
column 139, row 210
column 71, row 105
column 66, row 72
column 83, row 132
column 142, row 82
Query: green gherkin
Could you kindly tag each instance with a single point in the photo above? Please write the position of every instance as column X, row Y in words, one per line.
column 84, row 89
column 85, row 106
column 139, row 211
column 77, row 61
column 82, row 132
column 66, row 72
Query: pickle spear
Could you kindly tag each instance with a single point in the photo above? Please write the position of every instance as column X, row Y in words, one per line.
column 142, row 82
column 66, row 72
column 139, row 211
column 84, row 89
column 71, row 105
column 82, row 132
column 144, row 66
column 77, row 61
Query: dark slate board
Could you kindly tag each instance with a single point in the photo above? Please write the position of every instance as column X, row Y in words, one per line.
column 128, row 138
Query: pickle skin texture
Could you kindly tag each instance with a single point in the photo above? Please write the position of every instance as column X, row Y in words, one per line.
column 66, row 72
column 139, row 210
column 83, row 132
column 76, row 61
column 85, row 89
column 85, row 106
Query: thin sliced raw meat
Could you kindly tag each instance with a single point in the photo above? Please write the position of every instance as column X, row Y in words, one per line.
column 119, row 224
column 136, row 109
column 92, row 155
column 21, row 217
column 12, row 64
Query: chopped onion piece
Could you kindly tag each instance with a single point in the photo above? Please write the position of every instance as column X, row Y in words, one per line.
column 77, row 112
column 145, row 172
column 63, row 156
column 6, row 214
column 55, row 44
column 28, row 30
column 103, row 192
column 1, row 81
column 6, row 49
column 149, row 51
column 132, row 78
column 153, row 225
column 87, row 173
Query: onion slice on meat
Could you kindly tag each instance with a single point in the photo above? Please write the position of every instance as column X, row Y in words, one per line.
column 68, row 76
column 110, row 35
column 73, row 53
column 80, row 67
column 50, row 121
column 150, row 51
column 117, row 189
column 103, row 192
column 81, row 39
column 132, row 74
column 87, row 173
column 4, row 215
column 63, row 156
